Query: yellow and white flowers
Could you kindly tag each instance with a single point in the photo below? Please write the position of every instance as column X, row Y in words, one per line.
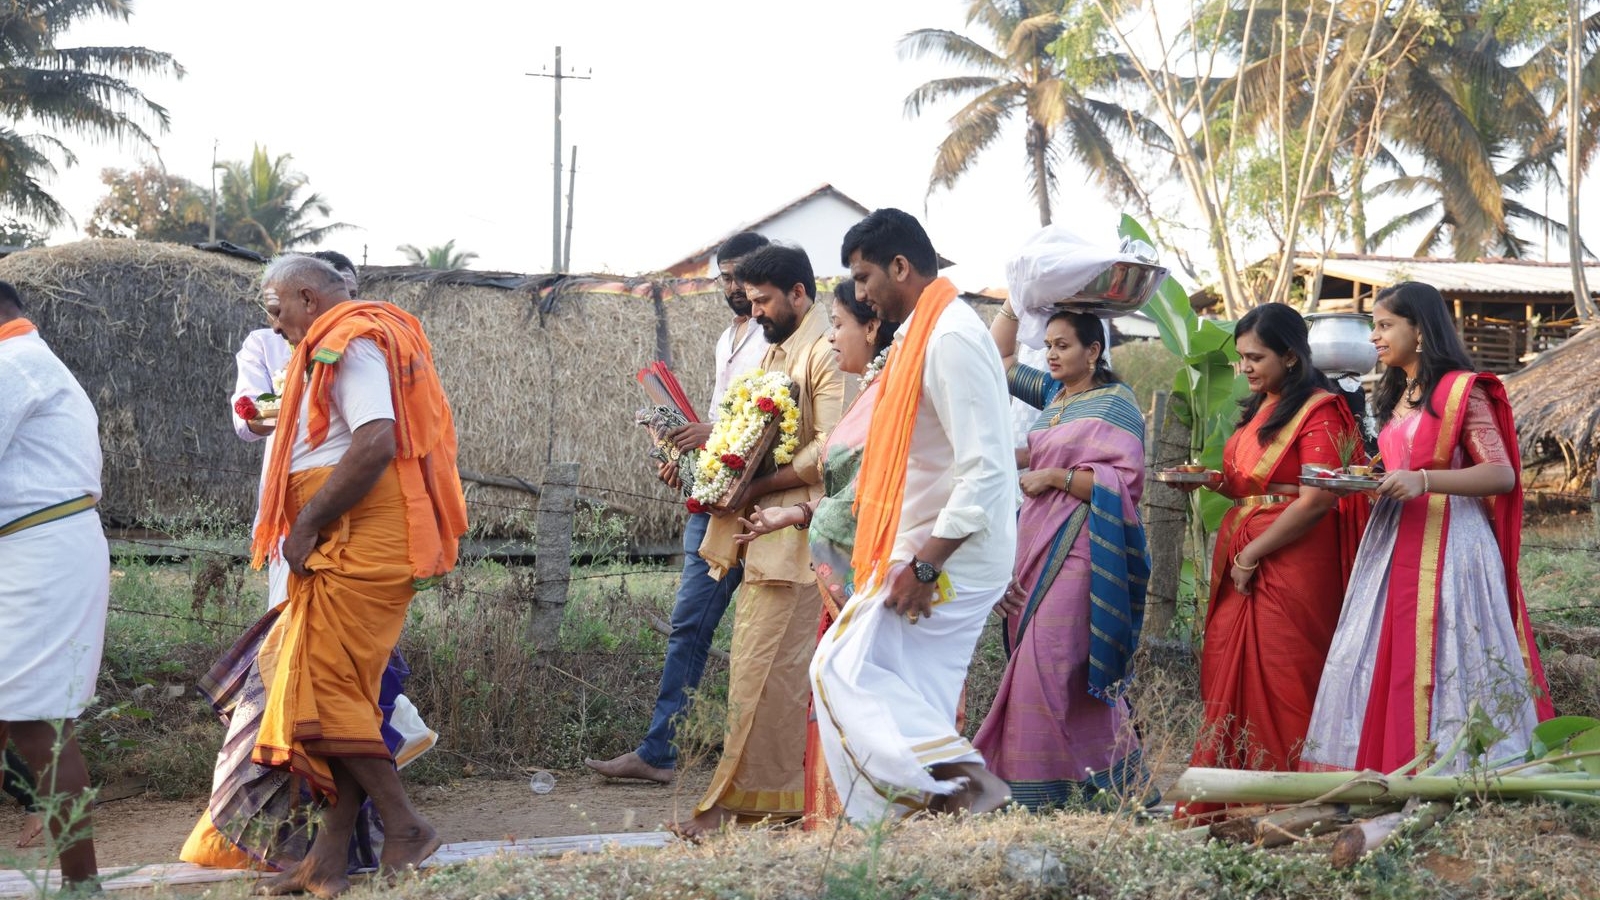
column 753, row 403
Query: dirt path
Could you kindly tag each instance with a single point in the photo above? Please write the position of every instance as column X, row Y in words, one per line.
column 138, row 830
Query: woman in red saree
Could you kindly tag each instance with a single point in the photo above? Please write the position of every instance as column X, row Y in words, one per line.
column 1282, row 556
column 1435, row 624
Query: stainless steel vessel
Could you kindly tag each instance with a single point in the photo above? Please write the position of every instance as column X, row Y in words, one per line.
column 1341, row 343
column 1121, row 289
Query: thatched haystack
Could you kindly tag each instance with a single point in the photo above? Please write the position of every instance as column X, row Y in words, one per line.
column 1556, row 408
column 537, row 369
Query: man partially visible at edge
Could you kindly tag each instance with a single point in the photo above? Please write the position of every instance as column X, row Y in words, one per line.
column 55, row 573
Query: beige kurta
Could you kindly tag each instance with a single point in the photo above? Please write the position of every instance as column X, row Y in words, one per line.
column 762, row 771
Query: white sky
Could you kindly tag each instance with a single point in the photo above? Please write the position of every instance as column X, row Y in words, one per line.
column 416, row 121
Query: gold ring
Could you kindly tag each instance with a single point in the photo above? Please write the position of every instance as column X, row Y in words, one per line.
column 913, row 618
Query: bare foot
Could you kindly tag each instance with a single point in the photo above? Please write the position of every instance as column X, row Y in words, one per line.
column 982, row 792
column 708, row 822
column 630, row 765
column 32, row 827
column 302, row 879
column 408, row 851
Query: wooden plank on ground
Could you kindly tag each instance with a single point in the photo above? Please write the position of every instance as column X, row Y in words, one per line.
column 14, row 883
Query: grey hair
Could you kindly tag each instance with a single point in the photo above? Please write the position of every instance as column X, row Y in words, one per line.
column 297, row 268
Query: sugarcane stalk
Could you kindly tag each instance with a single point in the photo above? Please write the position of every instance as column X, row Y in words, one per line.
column 1361, row 838
column 1235, row 786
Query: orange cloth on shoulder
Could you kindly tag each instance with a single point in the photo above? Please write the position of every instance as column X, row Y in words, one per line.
column 881, row 484
column 425, row 431
column 16, row 328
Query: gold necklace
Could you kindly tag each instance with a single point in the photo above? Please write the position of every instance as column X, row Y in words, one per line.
column 1064, row 400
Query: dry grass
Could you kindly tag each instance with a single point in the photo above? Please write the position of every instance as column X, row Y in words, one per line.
column 1496, row 853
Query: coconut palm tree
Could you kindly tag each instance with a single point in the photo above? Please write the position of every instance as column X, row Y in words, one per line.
column 445, row 256
column 65, row 91
column 267, row 204
column 1470, row 109
column 1024, row 76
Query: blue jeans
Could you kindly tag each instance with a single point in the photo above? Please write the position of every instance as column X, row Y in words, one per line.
column 699, row 608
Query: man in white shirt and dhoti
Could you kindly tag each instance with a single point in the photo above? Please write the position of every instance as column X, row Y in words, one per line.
column 55, row 571
column 936, row 507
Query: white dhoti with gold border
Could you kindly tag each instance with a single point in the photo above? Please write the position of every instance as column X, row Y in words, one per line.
column 886, row 692
column 55, row 584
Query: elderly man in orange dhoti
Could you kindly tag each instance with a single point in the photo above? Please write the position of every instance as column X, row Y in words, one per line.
column 362, row 490
column 762, row 770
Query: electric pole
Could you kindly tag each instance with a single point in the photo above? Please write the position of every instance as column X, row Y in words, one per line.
column 556, row 265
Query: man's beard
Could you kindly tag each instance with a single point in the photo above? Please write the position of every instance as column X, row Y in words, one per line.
column 740, row 304
column 777, row 332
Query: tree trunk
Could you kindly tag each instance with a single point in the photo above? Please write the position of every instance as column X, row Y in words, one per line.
column 1038, row 156
column 1580, row 287
column 1164, row 510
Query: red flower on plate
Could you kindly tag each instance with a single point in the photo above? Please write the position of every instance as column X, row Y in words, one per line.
column 767, row 405
column 732, row 460
column 694, row 506
column 245, row 408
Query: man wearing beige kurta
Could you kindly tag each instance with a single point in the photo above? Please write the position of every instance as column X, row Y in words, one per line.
column 762, row 771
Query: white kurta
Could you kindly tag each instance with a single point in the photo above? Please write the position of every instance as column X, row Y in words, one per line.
column 739, row 349
column 263, row 354
column 886, row 690
column 54, row 578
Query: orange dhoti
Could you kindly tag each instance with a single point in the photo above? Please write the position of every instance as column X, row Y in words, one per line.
column 301, row 688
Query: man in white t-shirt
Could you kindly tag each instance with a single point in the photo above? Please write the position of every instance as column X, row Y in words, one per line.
column 702, row 600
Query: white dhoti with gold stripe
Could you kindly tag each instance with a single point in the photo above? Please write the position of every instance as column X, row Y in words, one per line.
column 886, row 693
column 55, row 583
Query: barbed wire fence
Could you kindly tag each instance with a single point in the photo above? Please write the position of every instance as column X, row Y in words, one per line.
column 234, row 548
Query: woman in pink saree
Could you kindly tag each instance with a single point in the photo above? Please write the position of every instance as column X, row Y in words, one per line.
column 1435, row 629
column 1060, row 730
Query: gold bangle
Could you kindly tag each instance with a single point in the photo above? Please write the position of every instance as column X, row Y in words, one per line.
column 1425, row 489
column 1008, row 314
column 1236, row 564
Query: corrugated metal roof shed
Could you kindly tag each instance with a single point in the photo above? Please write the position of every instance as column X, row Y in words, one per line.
column 1490, row 276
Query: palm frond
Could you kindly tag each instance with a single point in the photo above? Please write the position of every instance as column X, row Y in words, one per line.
column 945, row 88
column 950, row 46
column 973, row 129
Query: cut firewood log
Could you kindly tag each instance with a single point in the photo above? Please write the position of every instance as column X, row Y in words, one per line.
column 1283, row 826
column 1357, row 840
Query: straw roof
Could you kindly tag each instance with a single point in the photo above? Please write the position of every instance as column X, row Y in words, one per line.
column 1554, row 402
column 537, row 368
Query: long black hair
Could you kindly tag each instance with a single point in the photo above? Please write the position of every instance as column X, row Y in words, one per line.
column 864, row 314
column 1089, row 330
column 1440, row 354
column 1281, row 329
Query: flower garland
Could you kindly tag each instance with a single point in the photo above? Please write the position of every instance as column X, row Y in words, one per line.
column 875, row 368
column 751, row 403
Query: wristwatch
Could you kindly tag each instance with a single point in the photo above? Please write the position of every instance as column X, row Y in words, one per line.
column 924, row 571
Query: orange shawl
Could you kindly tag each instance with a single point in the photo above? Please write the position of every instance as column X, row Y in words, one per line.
column 425, row 431
column 16, row 328
column 881, row 484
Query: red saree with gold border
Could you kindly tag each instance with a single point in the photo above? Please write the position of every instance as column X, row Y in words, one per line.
column 1264, row 651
